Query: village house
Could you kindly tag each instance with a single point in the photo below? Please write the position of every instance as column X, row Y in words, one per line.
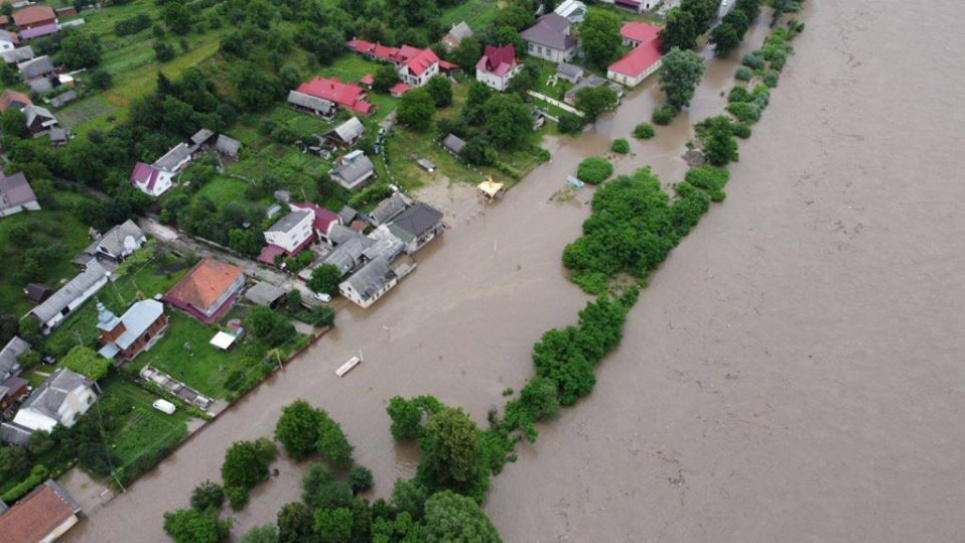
column 353, row 170
column 16, row 195
column 498, row 66
column 13, row 99
column 63, row 99
column 37, row 292
column 346, row 134
column 42, row 516
column 201, row 137
column 119, row 242
column 345, row 95
column 639, row 6
column 208, row 291
column 39, row 31
column 311, row 104
column 573, row 11
column 63, row 398
column 175, row 159
column 569, row 72
column 39, row 120
column 397, row 90
column 8, row 40
column 71, row 296
column 592, row 80
column 34, row 16
column 349, row 255
column 324, row 220
column 388, row 209
column 18, row 55
column 417, row 226
column 643, row 60
column 150, row 180
column 418, row 70
column 550, row 39
column 265, row 294
column 137, row 330
column 415, row 66
column 38, row 68
column 455, row 36
column 227, row 147
column 370, row 283
column 288, row 236
column 12, row 389
column 12, row 386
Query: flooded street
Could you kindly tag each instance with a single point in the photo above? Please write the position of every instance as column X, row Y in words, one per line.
column 792, row 374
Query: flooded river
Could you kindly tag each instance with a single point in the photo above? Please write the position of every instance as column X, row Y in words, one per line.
column 790, row 375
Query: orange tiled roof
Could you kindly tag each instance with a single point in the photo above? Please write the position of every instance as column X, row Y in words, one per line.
column 33, row 14
column 34, row 517
column 202, row 286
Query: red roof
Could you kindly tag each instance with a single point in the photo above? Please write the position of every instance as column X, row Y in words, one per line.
column 639, row 32
column 145, row 175
column 447, row 66
column 344, row 94
column 399, row 89
column 324, row 218
column 367, row 79
column 35, row 517
column 637, row 61
column 269, row 253
column 498, row 60
column 205, row 283
column 32, row 15
column 422, row 62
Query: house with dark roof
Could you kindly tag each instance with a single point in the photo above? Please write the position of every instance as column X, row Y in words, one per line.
column 37, row 68
column 550, row 39
column 9, row 355
column 119, row 242
column 63, row 398
column 71, row 296
column 498, row 66
column 39, row 120
column 208, row 291
column 353, row 170
column 174, row 160
column 37, row 292
column 369, row 283
column 311, row 104
column 17, row 55
column 137, row 330
column 227, row 147
column 454, row 37
column 349, row 255
column 265, row 294
column 34, row 16
column 151, row 180
column 345, row 95
column 202, row 137
column 42, row 516
column 16, row 195
column 12, row 389
column 288, row 236
column 346, row 134
column 388, row 209
column 643, row 60
column 454, row 144
column 417, row 226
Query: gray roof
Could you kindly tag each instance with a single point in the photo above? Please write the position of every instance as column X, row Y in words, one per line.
column 6, row 35
column 352, row 172
column 286, row 223
column 15, row 191
column 416, row 221
column 173, row 158
column 387, row 245
column 33, row 113
column 227, row 146
column 348, row 255
column 311, row 102
column 61, row 99
column 349, row 131
column 550, row 31
column 17, row 55
column 347, row 214
column 371, row 278
column 8, row 356
column 70, row 292
column 48, row 397
column 454, row 143
column 58, row 135
column 460, row 32
column 569, row 70
column 340, row 233
column 201, row 136
column 388, row 209
column 41, row 85
column 122, row 240
column 283, row 196
column 137, row 319
column 264, row 293
column 35, row 68
column 15, row 434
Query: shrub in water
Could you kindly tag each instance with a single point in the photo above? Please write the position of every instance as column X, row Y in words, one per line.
column 770, row 79
column 754, row 61
column 742, row 131
column 743, row 74
column 663, row 115
column 620, row 146
column 643, row 131
column 594, row 170
column 745, row 113
column 739, row 94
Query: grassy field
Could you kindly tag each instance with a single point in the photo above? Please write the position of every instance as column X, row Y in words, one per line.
column 478, row 14
column 624, row 15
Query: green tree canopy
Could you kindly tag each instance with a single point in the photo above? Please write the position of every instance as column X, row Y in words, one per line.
column 508, row 120
column 679, row 76
column 600, row 38
column 451, row 518
column 416, row 108
column 593, row 101
column 334, row 525
column 296, row 524
column 441, row 90
column 86, row 362
column 325, row 279
column 451, row 454
column 297, row 429
column 266, row 533
column 246, row 463
column 190, row 526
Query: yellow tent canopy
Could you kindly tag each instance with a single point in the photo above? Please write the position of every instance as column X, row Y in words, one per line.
column 490, row 188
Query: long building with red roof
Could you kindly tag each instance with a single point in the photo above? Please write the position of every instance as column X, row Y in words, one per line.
column 415, row 66
column 345, row 95
column 643, row 60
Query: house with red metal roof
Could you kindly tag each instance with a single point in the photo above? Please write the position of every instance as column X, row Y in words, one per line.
column 345, row 95
column 415, row 66
column 398, row 89
column 323, row 221
column 150, row 180
column 498, row 66
column 643, row 60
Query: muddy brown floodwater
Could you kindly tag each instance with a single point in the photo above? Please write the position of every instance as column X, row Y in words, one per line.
column 792, row 374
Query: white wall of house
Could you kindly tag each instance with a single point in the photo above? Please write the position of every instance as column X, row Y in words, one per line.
column 29, row 206
column 346, row 289
column 494, row 81
column 60, row 530
column 75, row 404
column 422, row 79
column 165, row 180
column 293, row 238
column 7, row 45
column 631, row 81
column 77, row 302
column 548, row 53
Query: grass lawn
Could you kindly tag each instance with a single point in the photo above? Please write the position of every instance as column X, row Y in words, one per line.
column 624, row 15
column 84, row 111
column 478, row 14
column 59, row 227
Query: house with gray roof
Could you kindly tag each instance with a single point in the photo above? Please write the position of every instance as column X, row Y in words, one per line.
column 311, row 104
column 137, row 330
column 201, row 137
column 347, row 215
column 340, row 233
column 59, row 136
column 454, row 144
column 417, row 226
column 265, row 294
column 17, row 55
column 63, row 398
column 71, row 296
column 454, row 37
column 227, row 147
column 388, row 209
column 550, row 38
column 370, row 283
column 175, row 159
column 63, row 99
column 16, row 195
column 38, row 68
column 39, row 119
column 349, row 255
column 569, row 72
column 346, row 134
column 9, row 355
column 119, row 242
column 353, row 170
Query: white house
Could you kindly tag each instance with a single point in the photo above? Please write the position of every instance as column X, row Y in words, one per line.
column 573, row 10
column 640, row 6
column 16, row 195
column 71, row 296
column 370, row 283
column 645, row 58
column 550, row 39
column 418, row 70
column 151, row 180
column 8, row 40
column 120, row 242
column 292, row 232
column 498, row 66
column 61, row 399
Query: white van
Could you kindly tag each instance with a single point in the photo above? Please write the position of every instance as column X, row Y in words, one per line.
column 165, row 406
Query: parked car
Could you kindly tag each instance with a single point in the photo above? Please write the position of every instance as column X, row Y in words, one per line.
column 165, row 406
column 321, row 296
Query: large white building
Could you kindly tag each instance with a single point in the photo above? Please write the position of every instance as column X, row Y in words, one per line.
column 550, row 39
column 292, row 232
column 62, row 399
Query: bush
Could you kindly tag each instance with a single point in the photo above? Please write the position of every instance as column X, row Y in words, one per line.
column 206, row 496
column 771, row 78
column 754, row 60
column 594, row 170
column 360, row 479
column 237, row 497
column 332, row 445
column 246, row 463
column 745, row 113
column 321, row 491
column 38, row 474
column 739, row 94
column 322, row 316
column 709, row 179
column 190, row 526
column 644, row 131
column 570, row 124
column 620, row 146
column 742, row 131
column 743, row 74
column 663, row 115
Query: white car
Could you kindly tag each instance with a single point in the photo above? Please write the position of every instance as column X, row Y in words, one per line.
column 321, row 296
column 165, row 406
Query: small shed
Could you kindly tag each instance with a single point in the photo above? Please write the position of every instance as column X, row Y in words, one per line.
column 265, row 294
column 227, row 147
column 223, row 340
column 454, row 144
column 426, row 164
column 37, row 292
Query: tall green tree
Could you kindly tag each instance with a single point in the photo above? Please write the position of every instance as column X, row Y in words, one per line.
column 325, row 279
column 296, row 524
column 680, row 30
column 297, row 429
column 453, row 518
column 451, row 454
column 246, row 463
column 593, row 101
column 416, row 108
column 334, row 525
column 720, row 146
column 441, row 90
column 508, row 120
column 600, row 38
column 680, row 74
